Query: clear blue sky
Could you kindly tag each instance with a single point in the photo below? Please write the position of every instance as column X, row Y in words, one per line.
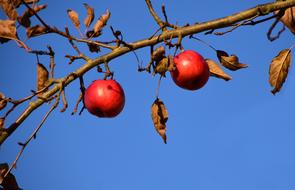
column 227, row 136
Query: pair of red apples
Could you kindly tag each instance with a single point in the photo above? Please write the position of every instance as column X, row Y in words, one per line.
column 106, row 98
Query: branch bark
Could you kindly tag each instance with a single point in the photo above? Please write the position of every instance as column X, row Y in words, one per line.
column 228, row 21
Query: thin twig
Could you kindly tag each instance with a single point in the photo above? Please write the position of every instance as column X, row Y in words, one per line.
column 207, row 44
column 236, row 26
column 155, row 16
column 82, row 88
column 64, row 101
column 164, row 13
column 77, row 104
column 32, row 136
column 269, row 33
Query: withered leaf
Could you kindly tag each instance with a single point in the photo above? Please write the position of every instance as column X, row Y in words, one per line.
column 230, row 62
column 216, row 70
column 17, row 3
column 74, row 18
column 1, row 127
column 160, row 117
column 158, row 54
column 8, row 30
column 9, row 182
column 278, row 69
column 9, row 9
column 3, row 169
column 289, row 19
column 93, row 47
column 3, row 101
column 101, row 22
column 164, row 65
column 42, row 76
column 25, row 18
column 36, row 31
column 90, row 15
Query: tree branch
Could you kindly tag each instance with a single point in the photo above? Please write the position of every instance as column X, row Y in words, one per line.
column 183, row 31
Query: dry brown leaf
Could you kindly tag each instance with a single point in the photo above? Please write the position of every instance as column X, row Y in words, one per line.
column 230, row 62
column 74, row 18
column 93, row 48
column 278, row 70
column 100, row 23
column 25, row 18
column 289, row 19
column 1, row 127
column 90, row 15
column 160, row 117
column 36, row 31
column 7, row 30
column 3, row 169
column 9, row 182
column 9, row 9
column 216, row 70
column 17, row 3
column 3, row 101
column 164, row 65
column 158, row 54
column 42, row 76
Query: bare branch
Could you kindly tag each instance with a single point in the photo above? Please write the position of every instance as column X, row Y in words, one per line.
column 32, row 136
column 183, row 31
column 154, row 14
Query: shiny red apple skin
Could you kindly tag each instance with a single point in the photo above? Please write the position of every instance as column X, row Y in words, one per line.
column 191, row 70
column 104, row 98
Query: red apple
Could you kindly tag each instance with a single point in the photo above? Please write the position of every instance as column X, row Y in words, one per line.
column 104, row 98
column 191, row 71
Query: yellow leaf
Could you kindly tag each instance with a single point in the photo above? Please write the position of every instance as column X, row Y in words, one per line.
column 160, row 117
column 278, row 70
column 216, row 70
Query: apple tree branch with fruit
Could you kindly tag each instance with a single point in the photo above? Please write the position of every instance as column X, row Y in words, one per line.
column 105, row 97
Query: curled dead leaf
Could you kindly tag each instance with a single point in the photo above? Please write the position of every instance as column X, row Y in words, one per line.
column 278, row 70
column 42, row 76
column 158, row 54
column 93, row 48
column 216, row 70
column 9, row 9
column 160, row 117
column 3, row 101
column 36, row 31
column 100, row 23
column 164, row 65
column 230, row 62
column 90, row 15
column 74, row 18
column 7, row 30
column 288, row 19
